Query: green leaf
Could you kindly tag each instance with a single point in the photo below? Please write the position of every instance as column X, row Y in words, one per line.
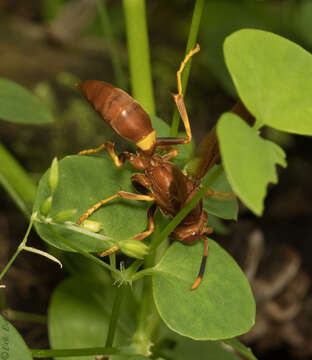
column 12, row 345
column 175, row 346
column 79, row 315
column 83, row 181
column 225, row 208
column 249, row 160
column 19, row 105
column 273, row 78
column 221, row 307
column 205, row 350
column 219, row 227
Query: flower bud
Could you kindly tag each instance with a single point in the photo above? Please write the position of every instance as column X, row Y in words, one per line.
column 133, row 248
column 64, row 215
column 91, row 225
column 45, row 207
column 54, row 175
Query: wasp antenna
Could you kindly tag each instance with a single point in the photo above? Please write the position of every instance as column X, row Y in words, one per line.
column 202, row 265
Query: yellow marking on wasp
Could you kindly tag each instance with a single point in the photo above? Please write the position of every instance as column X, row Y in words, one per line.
column 148, row 141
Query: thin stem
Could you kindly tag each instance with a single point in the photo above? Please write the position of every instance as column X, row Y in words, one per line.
column 139, row 56
column 119, row 296
column 111, row 44
column 8, row 265
column 182, row 214
column 42, row 253
column 140, row 274
column 56, row 353
column 18, row 250
column 16, row 181
column 24, row 316
column 192, row 39
column 112, row 260
column 148, row 318
column 82, row 252
column 76, row 228
column 240, row 348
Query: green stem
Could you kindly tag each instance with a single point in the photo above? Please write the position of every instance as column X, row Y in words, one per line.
column 111, row 44
column 138, row 49
column 119, row 296
column 240, row 348
column 23, row 316
column 18, row 250
column 191, row 42
column 56, row 353
column 182, row 214
column 142, row 273
column 82, row 252
column 8, row 265
column 16, row 182
column 148, row 318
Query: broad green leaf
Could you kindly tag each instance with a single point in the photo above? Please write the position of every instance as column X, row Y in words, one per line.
column 219, row 227
column 19, row 105
column 249, row 160
column 79, row 315
column 12, row 345
column 83, row 181
column 221, row 307
column 204, row 350
column 273, row 77
column 175, row 346
column 222, row 207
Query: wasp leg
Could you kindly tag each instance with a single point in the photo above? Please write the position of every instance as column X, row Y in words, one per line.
column 150, row 219
column 173, row 153
column 141, row 183
column 202, row 265
column 109, row 146
column 122, row 194
column 178, row 98
column 141, row 236
column 208, row 230
column 220, row 195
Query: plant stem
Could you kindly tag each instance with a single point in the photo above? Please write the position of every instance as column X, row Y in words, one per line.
column 148, row 318
column 82, row 252
column 119, row 296
column 191, row 42
column 16, row 182
column 23, row 316
column 56, row 353
column 8, row 265
column 111, row 44
column 189, row 206
column 138, row 50
column 18, row 250
column 142, row 273
column 240, row 348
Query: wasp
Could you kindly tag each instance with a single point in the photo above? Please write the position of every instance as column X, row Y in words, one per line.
column 161, row 181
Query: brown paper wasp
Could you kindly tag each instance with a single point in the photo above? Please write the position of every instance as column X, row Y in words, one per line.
column 161, row 181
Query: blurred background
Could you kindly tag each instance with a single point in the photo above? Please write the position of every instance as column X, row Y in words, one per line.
column 49, row 45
